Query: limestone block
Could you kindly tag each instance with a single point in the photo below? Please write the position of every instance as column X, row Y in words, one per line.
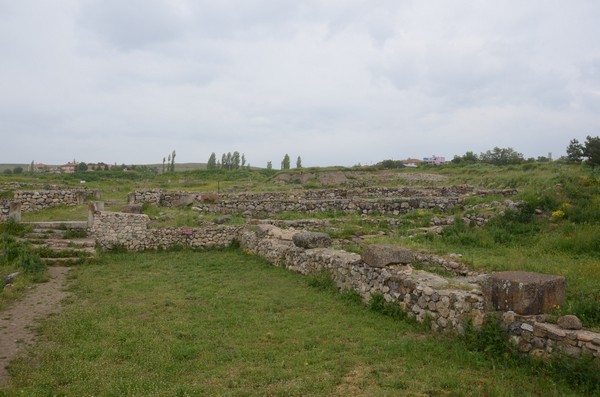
column 381, row 255
column 312, row 240
column 524, row 293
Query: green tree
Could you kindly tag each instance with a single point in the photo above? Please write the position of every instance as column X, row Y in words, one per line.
column 574, row 151
column 212, row 161
column 223, row 161
column 235, row 160
column 164, row 161
column 591, row 150
column 269, row 165
column 468, row 157
column 173, row 161
column 243, row 160
column 285, row 163
column 298, row 162
column 81, row 167
column 7, row 171
column 502, row 156
column 18, row 170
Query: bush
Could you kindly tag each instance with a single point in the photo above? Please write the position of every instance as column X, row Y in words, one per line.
column 323, row 281
column 586, row 307
column 490, row 338
column 13, row 228
column 380, row 305
column 76, row 233
column 30, row 262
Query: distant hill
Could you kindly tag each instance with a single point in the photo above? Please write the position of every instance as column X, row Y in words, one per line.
column 12, row 166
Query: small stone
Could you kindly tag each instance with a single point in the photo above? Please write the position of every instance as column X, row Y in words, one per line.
column 8, row 280
column 527, row 327
column 515, row 328
column 596, row 341
column 539, row 353
column 222, row 219
column 569, row 322
column 538, row 343
column 524, row 346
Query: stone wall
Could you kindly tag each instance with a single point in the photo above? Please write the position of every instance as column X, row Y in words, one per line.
column 447, row 303
column 35, row 200
column 130, row 231
column 534, row 336
column 382, row 201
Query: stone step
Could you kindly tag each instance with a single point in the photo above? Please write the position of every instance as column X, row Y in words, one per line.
column 38, row 230
column 63, row 261
column 69, row 243
column 60, row 225
column 62, row 249
column 50, row 234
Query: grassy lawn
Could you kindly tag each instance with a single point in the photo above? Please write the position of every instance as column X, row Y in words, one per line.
column 224, row 323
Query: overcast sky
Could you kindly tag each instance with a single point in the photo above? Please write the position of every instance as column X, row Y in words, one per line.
column 337, row 82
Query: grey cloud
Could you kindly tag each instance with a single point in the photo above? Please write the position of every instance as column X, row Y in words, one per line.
column 133, row 24
column 386, row 79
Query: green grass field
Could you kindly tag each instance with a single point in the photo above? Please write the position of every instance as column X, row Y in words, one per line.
column 221, row 323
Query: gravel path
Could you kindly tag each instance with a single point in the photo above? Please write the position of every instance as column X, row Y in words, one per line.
column 18, row 322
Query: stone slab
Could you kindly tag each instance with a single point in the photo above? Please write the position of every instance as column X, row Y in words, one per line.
column 381, row 255
column 524, row 293
column 312, row 240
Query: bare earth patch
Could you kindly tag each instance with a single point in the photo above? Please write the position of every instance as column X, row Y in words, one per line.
column 17, row 323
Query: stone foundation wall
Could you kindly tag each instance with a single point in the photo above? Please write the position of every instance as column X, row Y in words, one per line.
column 36, row 200
column 112, row 229
column 533, row 336
column 422, row 295
column 383, row 201
column 447, row 303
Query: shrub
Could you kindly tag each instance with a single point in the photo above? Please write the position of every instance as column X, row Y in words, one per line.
column 30, row 262
column 75, row 233
column 380, row 305
column 13, row 228
column 490, row 338
column 323, row 281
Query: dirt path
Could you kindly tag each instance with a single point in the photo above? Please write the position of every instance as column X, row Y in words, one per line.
column 17, row 323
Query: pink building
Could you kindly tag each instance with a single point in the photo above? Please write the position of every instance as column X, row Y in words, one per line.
column 434, row 160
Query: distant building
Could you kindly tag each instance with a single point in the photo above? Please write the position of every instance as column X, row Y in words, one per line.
column 41, row 168
column 434, row 160
column 68, row 168
column 412, row 163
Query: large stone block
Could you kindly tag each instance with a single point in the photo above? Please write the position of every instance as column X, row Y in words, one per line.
column 311, row 240
column 523, row 292
column 381, row 255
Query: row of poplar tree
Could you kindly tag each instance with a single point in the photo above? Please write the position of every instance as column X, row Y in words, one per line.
column 229, row 161
column 235, row 161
